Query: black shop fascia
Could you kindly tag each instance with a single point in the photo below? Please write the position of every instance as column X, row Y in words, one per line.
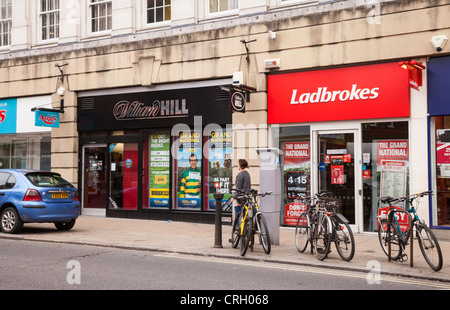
column 127, row 143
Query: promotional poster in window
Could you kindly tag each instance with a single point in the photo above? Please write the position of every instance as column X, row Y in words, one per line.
column 188, row 169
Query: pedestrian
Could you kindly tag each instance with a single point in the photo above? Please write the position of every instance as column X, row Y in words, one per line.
column 243, row 183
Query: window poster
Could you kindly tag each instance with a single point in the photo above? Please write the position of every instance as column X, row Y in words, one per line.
column 443, row 153
column 392, row 165
column 159, row 173
column 188, row 161
column 219, row 169
column 297, row 171
column 337, row 174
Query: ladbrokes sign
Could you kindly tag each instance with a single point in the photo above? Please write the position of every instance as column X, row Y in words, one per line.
column 366, row 92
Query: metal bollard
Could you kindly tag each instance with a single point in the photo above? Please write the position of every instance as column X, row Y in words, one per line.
column 218, row 231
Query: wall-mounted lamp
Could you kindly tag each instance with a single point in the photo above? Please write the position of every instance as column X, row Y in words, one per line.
column 61, row 91
column 414, row 72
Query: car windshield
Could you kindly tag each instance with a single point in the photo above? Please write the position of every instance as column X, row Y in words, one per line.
column 47, row 180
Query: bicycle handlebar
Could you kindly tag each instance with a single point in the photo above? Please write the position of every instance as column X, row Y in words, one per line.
column 251, row 193
column 389, row 199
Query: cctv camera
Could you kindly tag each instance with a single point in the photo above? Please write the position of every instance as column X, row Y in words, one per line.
column 439, row 42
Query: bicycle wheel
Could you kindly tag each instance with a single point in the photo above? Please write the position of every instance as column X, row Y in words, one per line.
column 429, row 246
column 396, row 249
column 302, row 232
column 263, row 232
column 344, row 240
column 322, row 237
column 246, row 235
column 236, row 230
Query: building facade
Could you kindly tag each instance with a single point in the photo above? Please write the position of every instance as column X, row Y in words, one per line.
column 145, row 85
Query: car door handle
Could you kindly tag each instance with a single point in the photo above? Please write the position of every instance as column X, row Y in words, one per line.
column 2, row 194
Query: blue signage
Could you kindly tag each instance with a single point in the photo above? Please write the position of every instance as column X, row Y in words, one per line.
column 322, row 166
column 438, row 86
column 46, row 119
column 8, row 116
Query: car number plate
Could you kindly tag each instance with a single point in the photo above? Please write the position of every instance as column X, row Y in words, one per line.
column 60, row 195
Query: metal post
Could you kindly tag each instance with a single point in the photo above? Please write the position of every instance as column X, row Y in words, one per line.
column 388, row 229
column 411, row 235
column 218, row 223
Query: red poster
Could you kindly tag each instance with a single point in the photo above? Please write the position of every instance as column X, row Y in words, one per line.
column 292, row 211
column 296, row 150
column 401, row 217
column 337, row 174
column 392, row 149
column 130, row 176
column 366, row 174
column 373, row 91
column 443, row 153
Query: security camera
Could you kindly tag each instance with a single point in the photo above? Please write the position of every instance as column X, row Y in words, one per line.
column 439, row 42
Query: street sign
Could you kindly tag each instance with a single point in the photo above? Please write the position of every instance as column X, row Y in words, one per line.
column 46, row 119
column 238, row 102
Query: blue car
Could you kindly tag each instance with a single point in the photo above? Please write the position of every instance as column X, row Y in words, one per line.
column 30, row 196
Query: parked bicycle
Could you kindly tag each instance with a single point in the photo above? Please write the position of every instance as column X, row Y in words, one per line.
column 394, row 234
column 321, row 224
column 248, row 222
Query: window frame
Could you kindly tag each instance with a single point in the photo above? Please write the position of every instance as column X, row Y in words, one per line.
column 6, row 22
column 164, row 22
column 219, row 12
column 89, row 22
column 41, row 14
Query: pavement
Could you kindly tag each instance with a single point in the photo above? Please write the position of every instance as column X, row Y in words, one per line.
column 199, row 239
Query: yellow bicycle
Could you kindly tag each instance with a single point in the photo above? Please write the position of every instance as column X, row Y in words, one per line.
column 248, row 222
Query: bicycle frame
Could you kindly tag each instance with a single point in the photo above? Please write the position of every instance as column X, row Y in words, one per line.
column 428, row 242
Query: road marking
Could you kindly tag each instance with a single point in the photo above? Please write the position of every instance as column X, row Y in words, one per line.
column 309, row 269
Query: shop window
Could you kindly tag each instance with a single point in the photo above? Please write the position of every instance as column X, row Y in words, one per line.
column 296, row 167
column 26, row 152
column 218, row 165
column 385, row 166
column 156, row 180
column 441, row 174
column 123, row 180
column 187, row 166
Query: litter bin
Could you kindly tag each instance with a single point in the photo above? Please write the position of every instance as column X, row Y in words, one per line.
column 270, row 181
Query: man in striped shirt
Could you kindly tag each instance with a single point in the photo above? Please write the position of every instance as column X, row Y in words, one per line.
column 190, row 182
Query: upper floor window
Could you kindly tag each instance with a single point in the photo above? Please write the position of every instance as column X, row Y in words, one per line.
column 5, row 22
column 101, row 15
column 49, row 18
column 158, row 11
column 216, row 6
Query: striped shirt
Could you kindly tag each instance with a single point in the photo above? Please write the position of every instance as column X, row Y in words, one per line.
column 190, row 183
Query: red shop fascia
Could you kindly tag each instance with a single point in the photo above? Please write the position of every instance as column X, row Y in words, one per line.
column 350, row 93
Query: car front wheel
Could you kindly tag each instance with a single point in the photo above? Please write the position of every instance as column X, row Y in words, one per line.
column 10, row 221
column 65, row 225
